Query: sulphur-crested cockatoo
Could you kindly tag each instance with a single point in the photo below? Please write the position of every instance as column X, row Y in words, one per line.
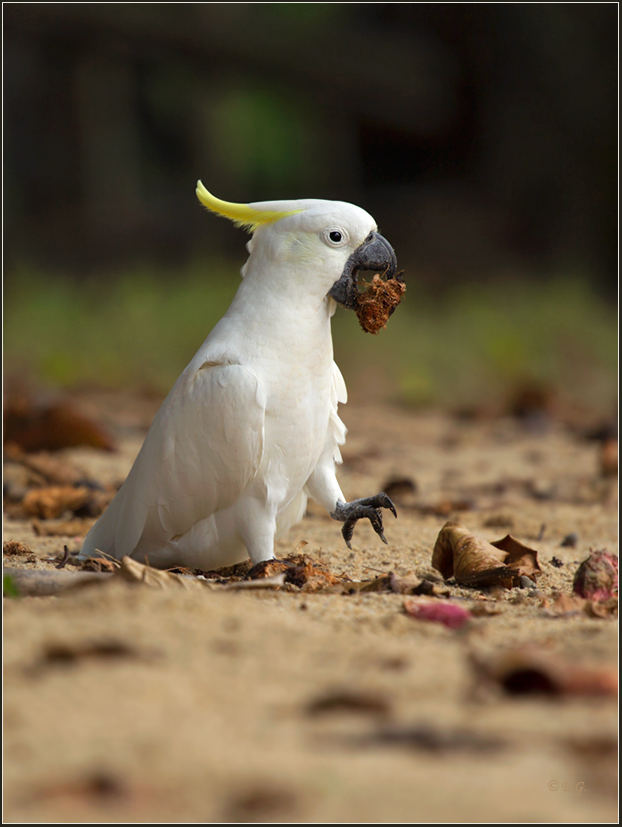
column 250, row 428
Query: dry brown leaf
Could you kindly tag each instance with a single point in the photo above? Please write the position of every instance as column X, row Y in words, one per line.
column 135, row 572
column 275, row 581
column 476, row 563
column 93, row 788
column 405, row 583
column 106, row 564
column 54, row 500
column 604, row 609
column 54, row 470
column 63, row 528
column 608, row 459
column 481, row 609
column 299, row 570
column 531, row 670
column 378, row 302
column 51, row 427
column 263, row 802
column 13, row 548
column 519, row 556
column 572, row 604
column 563, row 604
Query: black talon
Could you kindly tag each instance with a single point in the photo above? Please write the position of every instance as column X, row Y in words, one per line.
column 368, row 507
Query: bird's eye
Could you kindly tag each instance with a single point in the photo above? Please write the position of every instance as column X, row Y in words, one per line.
column 334, row 237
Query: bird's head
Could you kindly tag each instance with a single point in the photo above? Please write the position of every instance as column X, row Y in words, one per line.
column 331, row 240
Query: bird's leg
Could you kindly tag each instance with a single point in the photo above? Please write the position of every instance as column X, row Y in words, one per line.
column 349, row 513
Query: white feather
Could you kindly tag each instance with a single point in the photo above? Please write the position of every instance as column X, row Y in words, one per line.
column 251, row 426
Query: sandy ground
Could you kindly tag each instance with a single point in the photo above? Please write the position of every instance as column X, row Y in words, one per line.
column 125, row 703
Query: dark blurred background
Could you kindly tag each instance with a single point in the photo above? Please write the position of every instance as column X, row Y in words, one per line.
column 477, row 134
column 482, row 138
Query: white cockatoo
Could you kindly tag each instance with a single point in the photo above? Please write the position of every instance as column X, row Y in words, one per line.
column 250, row 428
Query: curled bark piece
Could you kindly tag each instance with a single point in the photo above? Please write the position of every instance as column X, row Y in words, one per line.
column 476, row 563
column 378, row 302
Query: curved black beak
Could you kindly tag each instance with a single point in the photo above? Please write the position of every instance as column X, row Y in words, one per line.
column 375, row 253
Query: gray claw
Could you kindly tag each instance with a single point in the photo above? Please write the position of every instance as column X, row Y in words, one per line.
column 368, row 507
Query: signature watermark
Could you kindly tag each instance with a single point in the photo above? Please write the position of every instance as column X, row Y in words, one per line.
column 567, row 787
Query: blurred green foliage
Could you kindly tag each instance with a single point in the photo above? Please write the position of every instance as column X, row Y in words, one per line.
column 471, row 347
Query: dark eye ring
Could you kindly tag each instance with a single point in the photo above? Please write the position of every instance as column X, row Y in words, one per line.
column 335, row 236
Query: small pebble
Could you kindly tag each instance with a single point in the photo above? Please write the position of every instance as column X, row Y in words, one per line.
column 526, row 582
column 570, row 540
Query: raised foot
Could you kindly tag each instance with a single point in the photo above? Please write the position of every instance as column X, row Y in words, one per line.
column 349, row 513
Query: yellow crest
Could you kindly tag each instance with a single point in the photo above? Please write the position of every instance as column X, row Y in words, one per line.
column 242, row 215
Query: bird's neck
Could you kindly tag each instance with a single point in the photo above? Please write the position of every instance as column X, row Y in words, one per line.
column 287, row 321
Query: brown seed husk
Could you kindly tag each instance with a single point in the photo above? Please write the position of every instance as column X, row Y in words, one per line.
column 376, row 304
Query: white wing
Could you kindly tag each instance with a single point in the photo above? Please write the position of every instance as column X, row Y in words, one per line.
column 205, row 445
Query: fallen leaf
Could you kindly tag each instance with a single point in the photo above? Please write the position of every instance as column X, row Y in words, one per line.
column 106, row 564
column 274, row 581
column 405, row 583
column 449, row 614
column 597, row 576
column 519, row 556
column 135, row 572
column 564, row 604
column 51, row 427
column 68, row 654
column 571, row 604
column 299, row 570
column 262, row 802
column 530, row 670
column 476, row 563
column 602, row 608
column 63, row 528
column 54, row 500
column 608, row 459
column 55, row 470
column 13, row 548
column 487, row 609
column 97, row 787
